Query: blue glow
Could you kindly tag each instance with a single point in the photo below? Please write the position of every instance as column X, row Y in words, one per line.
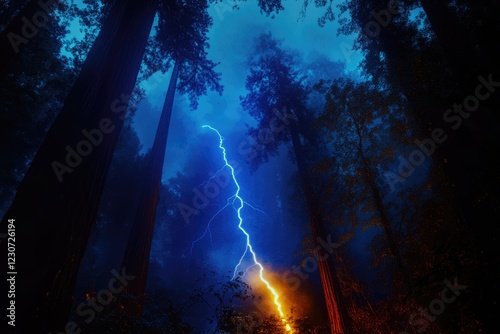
column 238, row 203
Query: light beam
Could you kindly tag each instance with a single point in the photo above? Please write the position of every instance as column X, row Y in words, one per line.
column 238, row 203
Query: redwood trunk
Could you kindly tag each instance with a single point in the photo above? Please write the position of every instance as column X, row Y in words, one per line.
column 136, row 259
column 382, row 213
column 54, row 215
column 456, row 41
column 466, row 152
column 386, row 225
column 335, row 303
column 467, row 57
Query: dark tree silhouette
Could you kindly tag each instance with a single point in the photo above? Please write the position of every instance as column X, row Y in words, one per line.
column 31, row 93
column 181, row 36
column 23, row 28
column 274, row 83
column 361, row 122
column 65, row 195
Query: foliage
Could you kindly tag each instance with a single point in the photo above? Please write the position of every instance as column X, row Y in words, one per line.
column 181, row 37
column 31, row 94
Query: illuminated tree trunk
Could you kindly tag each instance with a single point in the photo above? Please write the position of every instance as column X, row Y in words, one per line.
column 335, row 303
column 136, row 259
column 56, row 204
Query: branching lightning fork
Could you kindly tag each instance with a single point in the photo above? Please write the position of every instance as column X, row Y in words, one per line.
column 238, row 203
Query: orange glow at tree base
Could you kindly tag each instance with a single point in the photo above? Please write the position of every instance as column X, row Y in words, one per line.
column 274, row 294
column 238, row 203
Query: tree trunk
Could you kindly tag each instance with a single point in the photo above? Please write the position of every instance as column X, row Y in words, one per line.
column 335, row 303
column 382, row 212
column 136, row 259
column 466, row 56
column 386, row 225
column 56, row 203
column 462, row 150
column 468, row 59
column 468, row 154
column 402, row 72
column 22, row 29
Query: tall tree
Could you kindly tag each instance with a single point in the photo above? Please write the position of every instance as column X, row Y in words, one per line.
column 181, row 37
column 365, row 124
column 403, row 55
column 466, row 51
column 136, row 257
column 109, row 237
column 412, row 60
column 273, row 83
column 69, row 177
column 56, row 203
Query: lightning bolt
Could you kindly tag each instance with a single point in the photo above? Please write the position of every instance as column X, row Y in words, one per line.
column 238, row 203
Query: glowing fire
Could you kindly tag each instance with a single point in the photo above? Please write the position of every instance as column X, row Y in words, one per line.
column 276, row 299
column 239, row 203
column 270, row 287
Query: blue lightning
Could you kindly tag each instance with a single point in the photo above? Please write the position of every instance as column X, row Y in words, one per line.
column 207, row 229
column 238, row 203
